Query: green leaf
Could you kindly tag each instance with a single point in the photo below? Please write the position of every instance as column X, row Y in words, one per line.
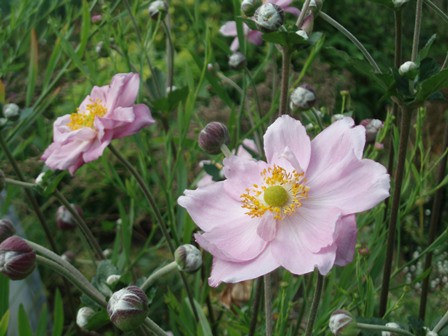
column 98, row 320
column 428, row 68
column 425, row 50
column 287, row 39
column 43, row 322
column 58, row 315
column 4, row 294
column 203, row 322
column 432, row 85
column 23, row 323
column 4, row 323
column 32, row 68
column 170, row 103
column 104, row 270
column 85, row 28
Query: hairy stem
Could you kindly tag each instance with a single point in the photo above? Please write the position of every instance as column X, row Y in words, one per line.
column 157, row 274
column 394, row 331
column 417, row 27
column 154, row 327
column 303, row 13
column 256, row 306
column 315, row 304
column 268, row 304
column 286, row 60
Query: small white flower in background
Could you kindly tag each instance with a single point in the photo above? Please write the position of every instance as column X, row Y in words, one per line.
column 83, row 316
column 237, row 60
column 408, row 69
column 171, row 89
column 390, row 325
column 302, row 34
column 336, row 117
column 372, row 127
column 157, row 8
column 269, row 17
column 11, row 111
column 40, row 179
column 399, row 3
column 303, row 98
column 339, row 321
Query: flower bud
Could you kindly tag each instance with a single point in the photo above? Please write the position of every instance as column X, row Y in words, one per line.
column 303, row 98
column 188, row 258
column 399, row 3
column 11, row 112
column 6, row 229
column 83, row 316
column 372, row 127
column 64, row 218
column 69, row 256
column 101, row 50
column 408, row 70
column 248, row 7
column 269, row 17
column 17, row 258
column 95, row 19
column 157, row 8
column 336, row 117
column 339, row 321
column 302, row 34
column 213, row 136
column 390, row 325
column 308, row 24
column 113, row 279
column 128, row 308
column 237, row 60
column 2, row 180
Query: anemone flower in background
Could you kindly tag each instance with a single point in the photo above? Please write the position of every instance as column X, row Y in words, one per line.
column 107, row 113
column 297, row 210
column 253, row 36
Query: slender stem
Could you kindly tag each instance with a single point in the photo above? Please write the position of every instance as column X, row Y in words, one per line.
column 303, row 13
column 152, row 203
column 441, row 323
column 85, row 230
column 352, row 38
column 256, row 307
column 155, row 329
column 230, row 82
column 436, row 9
column 226, row 151
column 417, row 27
column 315, row 304
column 399, row 173
column 157, row 274
column 433, row 226
column 445, row 63
column 74, row 279
column 169, row 55
column 398, row 18
column 286, row 60
column 28, row 193
column 383, row 328
column 268, row 304
column 19, row 183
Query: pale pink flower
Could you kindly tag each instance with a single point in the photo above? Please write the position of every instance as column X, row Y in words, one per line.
column 107, row 113
column 297, row 210
column 253, row 36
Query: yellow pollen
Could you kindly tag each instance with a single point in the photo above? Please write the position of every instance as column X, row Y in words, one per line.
column 81, row 119
column 281, row 193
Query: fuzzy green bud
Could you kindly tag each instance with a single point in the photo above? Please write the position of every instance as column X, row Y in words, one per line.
column 188, row 258
column 269, row 17
column 408, row 70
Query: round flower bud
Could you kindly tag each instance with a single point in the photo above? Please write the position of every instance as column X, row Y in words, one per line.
column 408, row 70
column 303, row 98
column 157, row 8
column 339, row 321
column 95, row 19
column 399, row 3
column 213, row 136
column 65, row 219
column 113, row 279
column 83, row 316
column 269, row 17
column 237, row 60
column 6, row 229
column 17, row 258
column 390, row 325
column 372, row 127
column 2, row 180
column 11, row 112
column 248, row 7
column 128, row 308
column 188, row 258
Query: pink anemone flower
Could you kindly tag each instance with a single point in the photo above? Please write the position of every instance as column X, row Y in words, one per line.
column 253, row 36
column 296, row 210
column 107, row 113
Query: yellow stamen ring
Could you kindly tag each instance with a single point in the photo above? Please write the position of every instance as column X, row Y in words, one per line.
column 81, row 119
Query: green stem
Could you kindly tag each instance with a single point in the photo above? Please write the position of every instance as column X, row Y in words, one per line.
column 383, row 328
column 352, row 38
column 170, row 55
column 157, row 274
column 436, row 9
column 303, row 13
column 74, row 279
column 28, row 193
column 85, row 230
column 268, row 304
column 399, row 173
column 443, row 321
column 286, row 64
column 152, row 203
column 256, row 307
column 154, row 328
column 417, row 27
column 19, row 183
column 315, row 304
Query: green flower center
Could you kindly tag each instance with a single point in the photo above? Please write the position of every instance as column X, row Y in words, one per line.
column 276, row 196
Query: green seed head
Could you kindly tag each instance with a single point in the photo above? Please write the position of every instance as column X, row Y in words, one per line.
column 276, row 196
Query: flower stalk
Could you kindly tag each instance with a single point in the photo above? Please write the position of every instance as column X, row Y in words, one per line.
column 268, row 304
column 158, row 274
column 394, row 331
column 286, row 60
column 256, row 307
column 303, row 13
column 315, row 304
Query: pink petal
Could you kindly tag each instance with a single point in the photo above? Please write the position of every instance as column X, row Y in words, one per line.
column 287, row 132
column 241, row 173
column 97, row 148
column 281, row 3
column 267, row 228
column 237, row 241
column 249, row 144
column 225, row 271
column 255, row 37
column 228, row 29
column 123, row 91
column 345, row 240
column 235, row 44
column 352, row 185
column 294, row 11
column 334, row 143
column 211, row 207
column 142, row 118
